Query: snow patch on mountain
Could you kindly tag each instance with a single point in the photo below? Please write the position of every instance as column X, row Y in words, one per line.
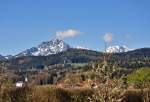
column 8, row 57
column 2, row 57
column 53, row 46
column 118, row 49
column 80, row 47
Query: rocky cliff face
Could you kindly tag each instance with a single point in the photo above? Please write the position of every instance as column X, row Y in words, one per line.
column 53, row 46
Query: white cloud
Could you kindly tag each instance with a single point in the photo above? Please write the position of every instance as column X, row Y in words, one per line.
column 67, row 33
column 108, row 37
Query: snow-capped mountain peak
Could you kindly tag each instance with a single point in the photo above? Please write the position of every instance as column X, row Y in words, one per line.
column 80, row 47
column 117, row 49
column 53, row 46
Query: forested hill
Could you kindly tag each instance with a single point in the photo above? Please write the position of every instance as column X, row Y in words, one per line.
column 132, row 59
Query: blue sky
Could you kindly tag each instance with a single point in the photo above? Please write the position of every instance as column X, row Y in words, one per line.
column 26, row 23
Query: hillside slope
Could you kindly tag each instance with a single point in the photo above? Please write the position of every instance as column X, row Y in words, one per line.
column 132, row 59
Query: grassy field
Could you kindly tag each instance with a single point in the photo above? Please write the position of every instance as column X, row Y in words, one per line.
column 45, row 94
column 140, row 75
column 53, row 94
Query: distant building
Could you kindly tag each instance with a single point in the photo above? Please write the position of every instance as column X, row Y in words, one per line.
column 26, row 79
column 19, row 84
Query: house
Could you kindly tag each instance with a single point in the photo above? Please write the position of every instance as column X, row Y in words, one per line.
column 26, row 79
column 19, row 84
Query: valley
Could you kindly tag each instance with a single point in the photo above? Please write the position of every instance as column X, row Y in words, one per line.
column 76, row 75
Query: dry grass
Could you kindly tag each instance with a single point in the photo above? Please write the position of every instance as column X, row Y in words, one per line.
column 54, row 94
column 45, row 94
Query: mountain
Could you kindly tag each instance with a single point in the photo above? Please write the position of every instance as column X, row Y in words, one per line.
column 69, row 56
column 2, row 57
column 83, row 48
column 53, row 46
column 134, row 58
column 117, row 49
column 131, row 59
column 8, row 57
